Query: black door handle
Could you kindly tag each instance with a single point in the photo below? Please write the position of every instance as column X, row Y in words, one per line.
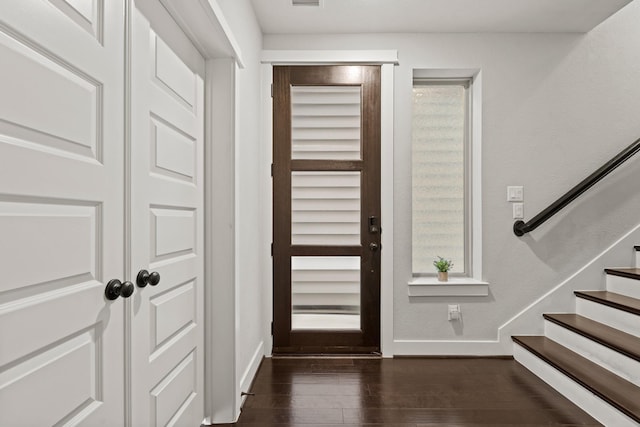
column 145, row 278
column 115, row 288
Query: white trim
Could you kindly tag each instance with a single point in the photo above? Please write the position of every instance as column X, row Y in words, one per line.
column 310, row 57
column 561, row 298
column 476, row 174
column 455, row 286
column 387, row 59
column 447, row 348
column 204, row 23
column 221, row 396
column 250, row 373
column 387, row 205
column 476, row 155
column 530, row 320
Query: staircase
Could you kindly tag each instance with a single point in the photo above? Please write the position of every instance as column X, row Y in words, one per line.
column 593, row 356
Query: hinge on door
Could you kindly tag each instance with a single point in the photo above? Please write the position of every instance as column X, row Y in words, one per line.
column 271, row 170
column 271, row 248
column 272, row 90
column 272, row 328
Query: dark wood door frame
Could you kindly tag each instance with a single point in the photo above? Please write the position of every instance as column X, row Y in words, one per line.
column 366, row 340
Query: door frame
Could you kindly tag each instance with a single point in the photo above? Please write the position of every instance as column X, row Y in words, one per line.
column 364, row 339
column 387, row 59
column 214, row 39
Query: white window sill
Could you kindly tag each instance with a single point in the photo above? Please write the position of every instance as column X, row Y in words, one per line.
column 456, row 286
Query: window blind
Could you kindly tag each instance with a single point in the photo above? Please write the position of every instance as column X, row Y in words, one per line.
column 325, row 208
column 325, row 122
column 438, row 175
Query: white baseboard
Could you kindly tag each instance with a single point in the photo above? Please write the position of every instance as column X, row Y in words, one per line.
column 449, row 348
column 529, row 321
column 250, row 373
column 561, row 298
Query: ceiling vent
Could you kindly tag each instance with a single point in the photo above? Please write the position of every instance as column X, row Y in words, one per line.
column 305, row 2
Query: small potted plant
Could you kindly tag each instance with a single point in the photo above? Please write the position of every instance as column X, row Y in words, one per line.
column 443, row 266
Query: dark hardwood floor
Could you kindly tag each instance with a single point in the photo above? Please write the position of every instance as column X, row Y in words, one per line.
column 404, row 393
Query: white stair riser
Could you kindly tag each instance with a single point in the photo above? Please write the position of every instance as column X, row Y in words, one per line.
column 623, row 285
column 589, row 402
column 609, row 359
column 621, row 320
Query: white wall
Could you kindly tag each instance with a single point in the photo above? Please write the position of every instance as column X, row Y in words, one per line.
column 249, row 319
column 555, row 107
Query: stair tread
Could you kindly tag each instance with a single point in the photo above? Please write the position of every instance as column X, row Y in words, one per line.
column 612, row 338
column 613, row 389
column 630, row 273
column 612, row 299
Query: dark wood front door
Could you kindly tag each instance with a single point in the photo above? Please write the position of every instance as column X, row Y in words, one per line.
column 326, row 209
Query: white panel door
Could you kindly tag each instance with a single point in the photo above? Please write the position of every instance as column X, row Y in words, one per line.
column 61, row 212
column 167, row 370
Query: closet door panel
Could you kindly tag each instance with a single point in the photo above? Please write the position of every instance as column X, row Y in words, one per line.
column 61, row 212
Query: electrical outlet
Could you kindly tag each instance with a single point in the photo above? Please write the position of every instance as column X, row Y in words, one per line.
column 518, row 211
column 454, row 312
column 515, row 193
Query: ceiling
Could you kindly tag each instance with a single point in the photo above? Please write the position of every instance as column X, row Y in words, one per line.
column 420, row 16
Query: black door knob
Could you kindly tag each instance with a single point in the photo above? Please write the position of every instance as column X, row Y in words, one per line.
column 145, row 278
column 115, row 288
column 154, row 278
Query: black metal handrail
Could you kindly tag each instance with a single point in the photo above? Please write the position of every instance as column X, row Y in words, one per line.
column 520, row 228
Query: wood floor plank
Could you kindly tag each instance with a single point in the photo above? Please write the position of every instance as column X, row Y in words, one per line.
column 404, row 393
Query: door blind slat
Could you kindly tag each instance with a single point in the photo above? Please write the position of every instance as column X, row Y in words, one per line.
column 325, row 122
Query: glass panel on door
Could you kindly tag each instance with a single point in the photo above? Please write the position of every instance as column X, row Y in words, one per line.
column 325, row 122
column 325, row 208
column 325, row 293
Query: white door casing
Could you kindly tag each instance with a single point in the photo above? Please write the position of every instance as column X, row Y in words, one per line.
column 167, row 189
column 61, row 212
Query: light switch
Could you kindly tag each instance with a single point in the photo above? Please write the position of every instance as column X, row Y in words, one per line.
column 518, row 211
column 515, row 193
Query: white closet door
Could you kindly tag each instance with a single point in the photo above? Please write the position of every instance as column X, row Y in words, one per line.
column 61, row 204
column 167, row 368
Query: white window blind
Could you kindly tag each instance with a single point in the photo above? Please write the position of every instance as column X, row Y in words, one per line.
column 325, row 122
column 439, row 194
column 325, row 208
column 325, row 292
